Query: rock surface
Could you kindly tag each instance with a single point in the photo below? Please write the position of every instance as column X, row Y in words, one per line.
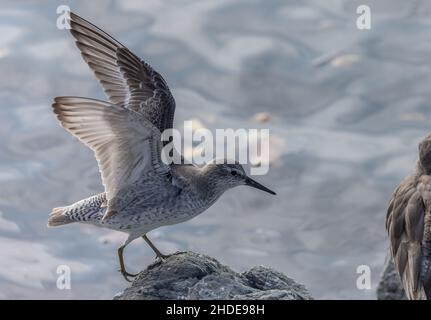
column 390, row 287
column 194, row 276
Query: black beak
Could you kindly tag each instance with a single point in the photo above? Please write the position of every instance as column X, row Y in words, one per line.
column 250, row 182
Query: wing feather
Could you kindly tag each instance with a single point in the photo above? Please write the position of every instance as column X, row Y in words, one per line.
column 125, row 143
column 405, row 223
column 120, row 72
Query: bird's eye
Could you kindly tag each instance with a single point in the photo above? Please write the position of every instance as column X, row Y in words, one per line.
column 233, row 172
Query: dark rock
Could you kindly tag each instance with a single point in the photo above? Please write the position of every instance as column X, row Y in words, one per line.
column 390, row 287
column 195, row 276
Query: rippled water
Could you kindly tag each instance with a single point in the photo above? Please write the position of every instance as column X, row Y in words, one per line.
column 347, row 110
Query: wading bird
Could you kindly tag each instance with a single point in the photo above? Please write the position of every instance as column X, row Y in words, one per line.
column 141, row 191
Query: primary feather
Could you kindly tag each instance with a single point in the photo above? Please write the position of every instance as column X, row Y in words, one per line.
column 127, row 80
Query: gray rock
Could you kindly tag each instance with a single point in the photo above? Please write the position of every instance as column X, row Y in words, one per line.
column 390, row 287
column 194, row 276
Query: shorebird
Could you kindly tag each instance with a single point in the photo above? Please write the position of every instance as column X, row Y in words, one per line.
column 141, row 191
column 408, row 223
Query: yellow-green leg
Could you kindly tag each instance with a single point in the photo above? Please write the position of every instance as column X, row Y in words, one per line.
column 122, row 266
column 157, row 251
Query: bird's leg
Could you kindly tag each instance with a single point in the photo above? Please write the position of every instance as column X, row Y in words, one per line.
column 158, row 253
column 122, row 267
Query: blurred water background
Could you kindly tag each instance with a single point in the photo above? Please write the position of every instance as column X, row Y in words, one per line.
column 346, row 110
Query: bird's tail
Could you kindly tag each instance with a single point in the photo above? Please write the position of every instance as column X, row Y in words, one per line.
column 89, row 210
column 58, row 217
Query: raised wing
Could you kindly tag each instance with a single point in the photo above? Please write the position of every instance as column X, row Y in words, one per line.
column 125, row 143
column 408, row 223
column 127, row 80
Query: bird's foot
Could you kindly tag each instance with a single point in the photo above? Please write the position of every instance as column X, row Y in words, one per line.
column 178, row 252
column 163, row 257
column 126, row 275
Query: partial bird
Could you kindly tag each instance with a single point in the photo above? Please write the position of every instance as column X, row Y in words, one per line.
column 141, row 191
column 408, row 223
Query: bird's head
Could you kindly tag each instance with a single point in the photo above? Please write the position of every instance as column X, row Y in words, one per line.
column 425, row 154
column 229, row 175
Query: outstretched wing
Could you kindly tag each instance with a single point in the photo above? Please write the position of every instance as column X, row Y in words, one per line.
column 125, row 143
column 127, row 80
column 408, row 224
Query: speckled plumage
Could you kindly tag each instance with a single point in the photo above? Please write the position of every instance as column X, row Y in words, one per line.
column 409, row 226
column 141, row 192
